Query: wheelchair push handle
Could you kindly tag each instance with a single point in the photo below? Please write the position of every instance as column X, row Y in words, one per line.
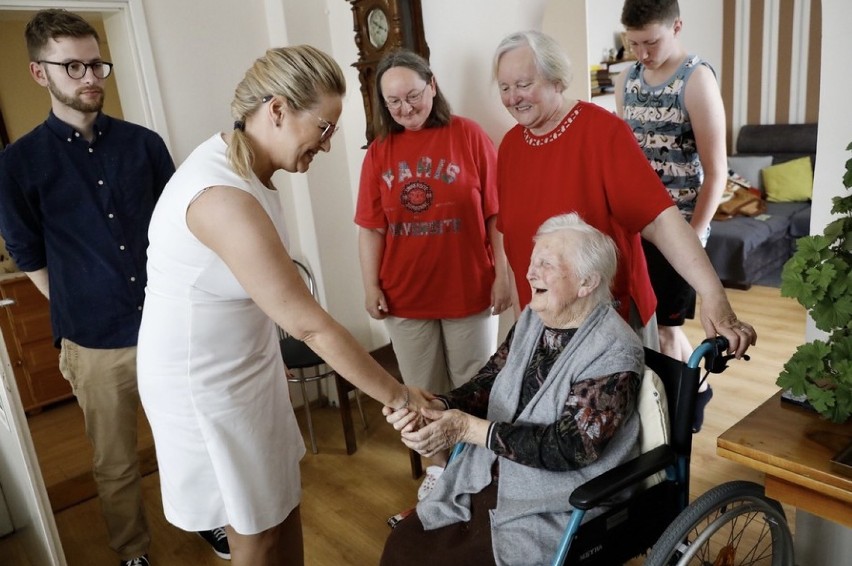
column 712, row 351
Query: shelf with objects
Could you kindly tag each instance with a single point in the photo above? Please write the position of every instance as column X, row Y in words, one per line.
column 603, row 74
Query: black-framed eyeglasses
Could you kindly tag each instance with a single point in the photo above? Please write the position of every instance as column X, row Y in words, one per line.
column 77, row 69
column 411, row 99
column 328, row 128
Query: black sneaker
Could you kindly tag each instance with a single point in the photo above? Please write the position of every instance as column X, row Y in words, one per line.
column 218, row 539
column 138, row 561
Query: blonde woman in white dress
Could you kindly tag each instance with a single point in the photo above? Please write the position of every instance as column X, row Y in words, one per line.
column 211, row 376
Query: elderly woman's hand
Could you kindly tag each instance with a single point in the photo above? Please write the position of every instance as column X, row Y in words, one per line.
column 446, row 429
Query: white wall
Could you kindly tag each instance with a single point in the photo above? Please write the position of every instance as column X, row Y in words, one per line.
column 835, row 118
column 701, row 34
column 201, row 50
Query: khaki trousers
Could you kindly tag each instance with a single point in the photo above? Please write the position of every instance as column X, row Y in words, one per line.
column 104, row 382
column 441, row 354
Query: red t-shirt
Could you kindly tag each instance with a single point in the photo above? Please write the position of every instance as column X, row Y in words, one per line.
column 589, row 164
column 432, row 190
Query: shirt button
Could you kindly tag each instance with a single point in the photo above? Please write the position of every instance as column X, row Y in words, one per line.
column 110, row 215
column 121, row 248
column 91, row 150
column 100, row 182
column 139, row 308
column 133, row 279
column 69, row 139
column 76, row 134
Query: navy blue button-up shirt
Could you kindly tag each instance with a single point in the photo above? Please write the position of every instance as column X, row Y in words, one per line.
column 82, row 210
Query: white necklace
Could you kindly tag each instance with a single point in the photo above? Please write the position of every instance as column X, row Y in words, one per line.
column 536, row 141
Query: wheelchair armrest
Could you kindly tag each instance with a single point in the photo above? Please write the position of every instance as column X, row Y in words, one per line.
column 599, row 489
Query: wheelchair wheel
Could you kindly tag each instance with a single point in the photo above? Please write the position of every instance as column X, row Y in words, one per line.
column 732, row 524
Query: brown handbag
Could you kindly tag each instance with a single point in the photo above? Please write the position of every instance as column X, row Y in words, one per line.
column 742, row 202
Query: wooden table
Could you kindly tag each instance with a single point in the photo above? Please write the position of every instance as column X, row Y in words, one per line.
column 793, row 446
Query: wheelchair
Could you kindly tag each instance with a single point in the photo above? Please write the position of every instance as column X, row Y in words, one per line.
column 734, row 523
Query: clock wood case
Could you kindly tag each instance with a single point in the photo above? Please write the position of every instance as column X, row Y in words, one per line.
column 382, row 26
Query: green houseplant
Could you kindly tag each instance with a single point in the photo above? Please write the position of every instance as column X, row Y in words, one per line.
column 819, row 277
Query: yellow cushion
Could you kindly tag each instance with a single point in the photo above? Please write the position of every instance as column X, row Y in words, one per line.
column 791, row 181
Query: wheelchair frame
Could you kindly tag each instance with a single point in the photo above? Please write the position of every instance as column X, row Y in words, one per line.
column 678, row 531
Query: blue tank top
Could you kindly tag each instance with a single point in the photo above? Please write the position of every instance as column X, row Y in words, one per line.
column 659, row 120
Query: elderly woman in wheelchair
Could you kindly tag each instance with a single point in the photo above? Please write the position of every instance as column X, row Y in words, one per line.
column 553, row 407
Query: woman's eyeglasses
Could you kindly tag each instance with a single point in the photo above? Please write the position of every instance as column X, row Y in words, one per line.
column 328, row 128
column 411, row 99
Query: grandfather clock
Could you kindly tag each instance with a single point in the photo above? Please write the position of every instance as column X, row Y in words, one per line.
column 382, row 26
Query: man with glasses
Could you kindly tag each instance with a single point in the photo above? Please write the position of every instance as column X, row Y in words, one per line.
column 76, row 197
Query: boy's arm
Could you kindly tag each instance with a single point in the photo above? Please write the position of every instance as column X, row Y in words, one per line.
column 707, row 113
column 618, row 87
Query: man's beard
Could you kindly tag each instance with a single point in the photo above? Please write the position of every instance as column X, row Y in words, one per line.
column 74, row 102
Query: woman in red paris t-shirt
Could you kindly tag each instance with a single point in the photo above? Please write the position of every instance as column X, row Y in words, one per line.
column 431, row 257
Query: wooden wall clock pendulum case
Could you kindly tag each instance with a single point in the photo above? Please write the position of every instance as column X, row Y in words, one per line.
column 382, row 26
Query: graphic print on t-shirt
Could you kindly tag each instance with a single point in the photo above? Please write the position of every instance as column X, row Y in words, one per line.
column 426, row 169
column 416, row 197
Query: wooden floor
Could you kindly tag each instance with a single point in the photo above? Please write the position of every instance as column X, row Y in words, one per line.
column 346, row 499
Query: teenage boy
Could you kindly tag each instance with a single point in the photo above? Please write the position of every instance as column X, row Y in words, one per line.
column 671, row 100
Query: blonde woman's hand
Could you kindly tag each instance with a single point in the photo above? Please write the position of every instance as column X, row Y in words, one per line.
column 410, row 417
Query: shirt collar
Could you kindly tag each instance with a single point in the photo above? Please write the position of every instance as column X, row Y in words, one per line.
column 66, row 131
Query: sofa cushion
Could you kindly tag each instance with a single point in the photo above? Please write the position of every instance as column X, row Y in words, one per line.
column 742, row 249
column 800, row 221
column 791, row 181
column 782, row 141
column 749, row 167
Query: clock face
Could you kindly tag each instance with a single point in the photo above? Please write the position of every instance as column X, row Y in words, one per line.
column 377, row 27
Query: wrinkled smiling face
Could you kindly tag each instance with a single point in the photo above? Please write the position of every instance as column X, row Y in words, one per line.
column 529, row 98
column 553, row 283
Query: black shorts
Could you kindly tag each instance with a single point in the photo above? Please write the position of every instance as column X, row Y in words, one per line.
column 675, row 297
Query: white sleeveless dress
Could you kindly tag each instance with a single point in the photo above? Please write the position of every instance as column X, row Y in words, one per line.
column 211, row 377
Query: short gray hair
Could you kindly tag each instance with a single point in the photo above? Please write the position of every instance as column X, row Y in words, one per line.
column 550, row 59
column 599, row 254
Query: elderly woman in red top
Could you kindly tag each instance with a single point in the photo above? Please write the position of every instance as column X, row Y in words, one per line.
column 571, row 156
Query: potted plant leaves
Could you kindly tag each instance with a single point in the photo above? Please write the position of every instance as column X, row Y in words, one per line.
column 819, row 277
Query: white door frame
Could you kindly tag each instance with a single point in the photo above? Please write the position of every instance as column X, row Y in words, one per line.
column 130, row 48
column 23, row 485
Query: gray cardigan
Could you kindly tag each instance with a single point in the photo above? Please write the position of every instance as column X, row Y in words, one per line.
column 532, row 503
